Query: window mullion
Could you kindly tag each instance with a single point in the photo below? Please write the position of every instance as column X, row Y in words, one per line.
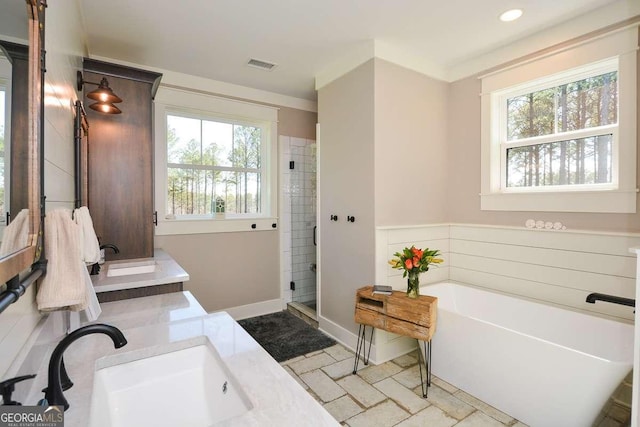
column 190, row 166
column 564, row 136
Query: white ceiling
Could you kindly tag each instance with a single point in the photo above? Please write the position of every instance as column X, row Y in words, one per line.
column 306, row 38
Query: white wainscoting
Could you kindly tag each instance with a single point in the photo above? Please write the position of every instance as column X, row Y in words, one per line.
column 560, row 267
column 556, row 267
column 390, row 240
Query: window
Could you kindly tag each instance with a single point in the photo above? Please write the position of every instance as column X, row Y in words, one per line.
column 214, row 169
column 559, row 134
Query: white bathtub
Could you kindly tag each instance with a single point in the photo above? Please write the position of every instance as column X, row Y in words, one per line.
column 540, row 364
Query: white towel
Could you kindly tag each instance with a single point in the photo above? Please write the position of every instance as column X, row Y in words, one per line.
column 93, row 310
column 89, row 245
column 64, row 286
column 16, row 234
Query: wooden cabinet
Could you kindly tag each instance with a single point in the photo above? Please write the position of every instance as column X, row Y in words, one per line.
column 415, row 318
column 396, row 313
column 120, row 160
column 139, row 292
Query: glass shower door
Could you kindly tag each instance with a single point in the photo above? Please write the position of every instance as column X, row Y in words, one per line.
column 303, row 221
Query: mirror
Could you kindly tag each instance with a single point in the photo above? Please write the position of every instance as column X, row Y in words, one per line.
column 25, row 21
column 14, row 86
column 14, row 95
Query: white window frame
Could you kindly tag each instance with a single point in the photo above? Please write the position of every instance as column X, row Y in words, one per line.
column 184, row 103
column 499, row 110
column 613, row 51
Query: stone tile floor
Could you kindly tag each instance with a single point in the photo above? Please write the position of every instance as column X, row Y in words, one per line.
column 388, row 394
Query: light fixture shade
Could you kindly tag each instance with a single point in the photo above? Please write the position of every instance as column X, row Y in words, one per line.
column 105, row 107
column 104, row 93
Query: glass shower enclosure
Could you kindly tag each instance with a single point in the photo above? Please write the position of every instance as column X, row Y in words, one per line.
column 303, row 202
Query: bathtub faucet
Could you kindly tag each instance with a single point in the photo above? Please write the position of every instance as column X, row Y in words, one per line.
column 592, row 298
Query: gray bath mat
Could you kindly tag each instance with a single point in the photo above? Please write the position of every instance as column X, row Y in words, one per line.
column 285, row 336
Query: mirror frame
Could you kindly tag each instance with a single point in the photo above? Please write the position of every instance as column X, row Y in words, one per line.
column 13, row 264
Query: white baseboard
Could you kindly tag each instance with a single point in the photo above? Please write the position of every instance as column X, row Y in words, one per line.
column 380, row 353
column 255, row 309
column 338, row 333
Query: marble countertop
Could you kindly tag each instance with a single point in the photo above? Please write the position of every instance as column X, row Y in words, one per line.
column 151, row 310
column 167, row 271
column 160, row 321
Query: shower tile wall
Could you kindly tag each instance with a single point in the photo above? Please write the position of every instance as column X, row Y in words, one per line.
column 298, row 213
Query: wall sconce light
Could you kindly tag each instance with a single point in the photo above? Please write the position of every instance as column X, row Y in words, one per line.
column 103, row 95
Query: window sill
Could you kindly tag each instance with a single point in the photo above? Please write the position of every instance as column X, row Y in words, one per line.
column 204, row 226
column 610, row 201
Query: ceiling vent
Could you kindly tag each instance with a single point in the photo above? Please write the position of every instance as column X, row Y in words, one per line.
column 263, row 65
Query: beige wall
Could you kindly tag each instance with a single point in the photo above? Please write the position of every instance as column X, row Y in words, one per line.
column 410, row 146
column 298, row 123
column 64, row 56
column 227, row 269
column 463, row 180
column 346, row 153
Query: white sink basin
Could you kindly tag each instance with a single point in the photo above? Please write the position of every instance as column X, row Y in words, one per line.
column 185, row 387
column 130, row 268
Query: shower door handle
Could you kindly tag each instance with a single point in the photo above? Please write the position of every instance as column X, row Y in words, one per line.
column 315, row 227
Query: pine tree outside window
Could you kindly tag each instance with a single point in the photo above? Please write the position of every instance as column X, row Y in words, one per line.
column 561, row 135
column 210, row 160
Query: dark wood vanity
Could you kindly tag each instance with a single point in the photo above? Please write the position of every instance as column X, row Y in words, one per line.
column 139, row 292
column 120, row 160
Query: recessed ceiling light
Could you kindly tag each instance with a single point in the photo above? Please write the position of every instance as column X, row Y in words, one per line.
column 511, row 15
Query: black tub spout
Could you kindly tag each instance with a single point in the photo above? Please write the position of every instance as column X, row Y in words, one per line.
column 592, row 298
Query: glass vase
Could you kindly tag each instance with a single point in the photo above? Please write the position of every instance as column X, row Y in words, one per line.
column 413, row 285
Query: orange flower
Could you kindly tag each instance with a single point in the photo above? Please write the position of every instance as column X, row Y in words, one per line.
column 414, row 260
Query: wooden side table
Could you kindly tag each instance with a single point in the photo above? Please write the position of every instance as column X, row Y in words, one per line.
column 396, row 313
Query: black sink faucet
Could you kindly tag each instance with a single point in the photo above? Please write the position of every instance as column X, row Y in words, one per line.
column 95, row 268
column 53, row 394
column 7, row 387
column 592, row 298
column 110, row 246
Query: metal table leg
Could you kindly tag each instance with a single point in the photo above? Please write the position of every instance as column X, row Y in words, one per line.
column 360, row 347
column 426, row 382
